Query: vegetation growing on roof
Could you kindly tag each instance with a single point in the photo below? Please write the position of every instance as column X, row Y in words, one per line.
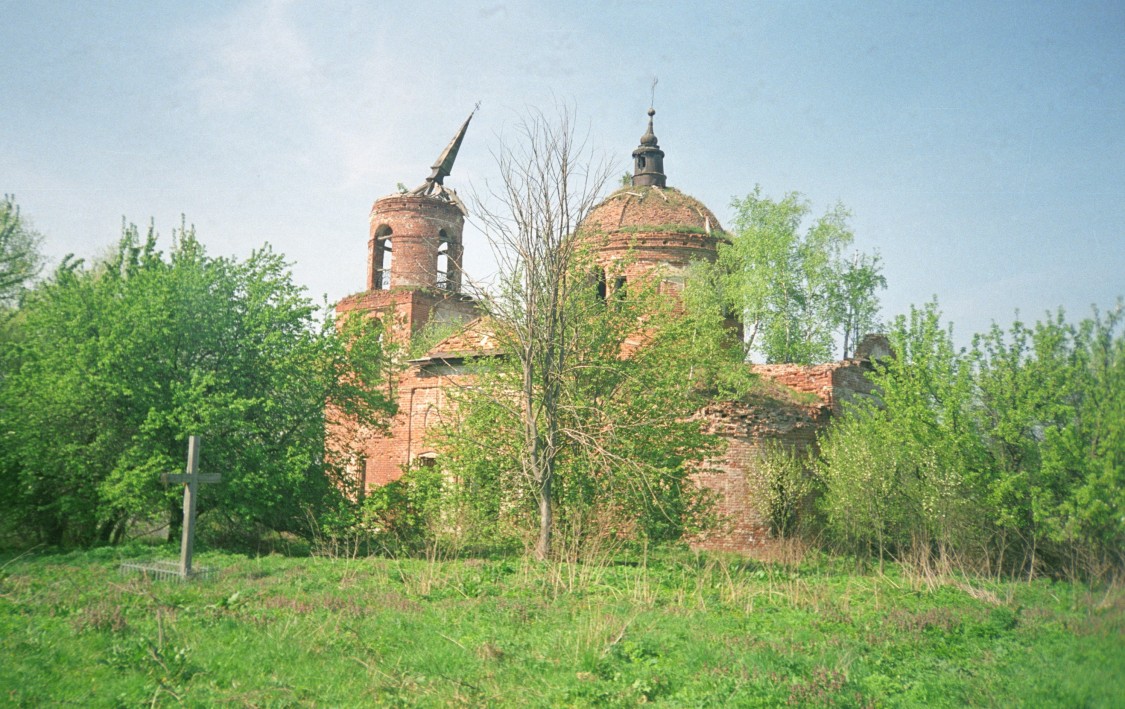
column 658, row 229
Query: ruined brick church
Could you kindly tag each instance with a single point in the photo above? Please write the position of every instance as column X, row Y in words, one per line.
column 414, row 277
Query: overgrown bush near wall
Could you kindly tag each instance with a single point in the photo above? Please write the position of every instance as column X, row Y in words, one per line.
column 398, row 514
column 1009, row 458
column 788, row 486
column 899, row 474
column 429, row 511
column 1052, row 407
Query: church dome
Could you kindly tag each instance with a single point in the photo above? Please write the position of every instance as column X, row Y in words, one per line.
column 640, row 229
column 647, row 227
column 651, row 209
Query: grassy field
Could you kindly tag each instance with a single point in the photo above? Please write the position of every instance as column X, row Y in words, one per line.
column 677, row 629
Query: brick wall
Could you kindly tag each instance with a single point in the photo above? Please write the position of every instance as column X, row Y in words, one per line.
column 420, row 400
column 776, row 413
column 792, row 406
column 833, row 383
column 405, row 311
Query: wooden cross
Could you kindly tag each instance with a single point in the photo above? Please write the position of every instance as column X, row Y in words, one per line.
column 191, row 478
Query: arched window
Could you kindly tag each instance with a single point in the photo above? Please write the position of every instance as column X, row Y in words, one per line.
column 357, row 466
column 381, row 277
column 444, row 275
column 599, row 283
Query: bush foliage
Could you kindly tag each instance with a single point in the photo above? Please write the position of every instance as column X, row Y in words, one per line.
column 1010, row 456
column 107, row 369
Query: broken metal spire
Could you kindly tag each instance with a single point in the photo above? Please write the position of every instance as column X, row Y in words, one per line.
column 444, row 165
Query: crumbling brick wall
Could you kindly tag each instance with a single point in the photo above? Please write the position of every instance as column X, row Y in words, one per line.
column 794, row 405
column 422, row 398
column 734, row 477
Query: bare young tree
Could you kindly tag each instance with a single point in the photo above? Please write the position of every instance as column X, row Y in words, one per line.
column 548, row 183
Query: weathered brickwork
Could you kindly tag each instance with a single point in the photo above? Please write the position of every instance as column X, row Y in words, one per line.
column 421, row 401
column 414, row 277
column 420, row 237
column 780, row 414
column 405, row 311
column 640, row 230
column 477, row 339
column 655, row 208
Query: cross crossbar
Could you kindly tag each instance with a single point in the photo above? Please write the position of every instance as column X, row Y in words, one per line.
column 191, row 478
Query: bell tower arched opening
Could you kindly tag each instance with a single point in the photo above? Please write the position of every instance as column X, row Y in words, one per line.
column 379, row 267
column 444, row 271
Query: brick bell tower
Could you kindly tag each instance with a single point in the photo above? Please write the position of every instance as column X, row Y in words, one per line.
column 414, row 254
column 414, row 277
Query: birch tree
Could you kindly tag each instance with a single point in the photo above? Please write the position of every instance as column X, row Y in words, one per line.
column 792, row 285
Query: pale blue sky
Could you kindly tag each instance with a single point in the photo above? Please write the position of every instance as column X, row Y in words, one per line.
column 980, row 146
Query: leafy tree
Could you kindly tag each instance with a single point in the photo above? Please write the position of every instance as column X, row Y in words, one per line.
column 1052, row 408
column 627, row 438
column 1021, row 374
column 1010, row 456
column 20, row 260
column 114, row 366
column 899, row 471
column 794, row 291
column 588, row 411
column 857, row 301
column 1090, row 450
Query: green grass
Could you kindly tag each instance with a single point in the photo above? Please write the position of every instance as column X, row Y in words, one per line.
column 677, row 629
